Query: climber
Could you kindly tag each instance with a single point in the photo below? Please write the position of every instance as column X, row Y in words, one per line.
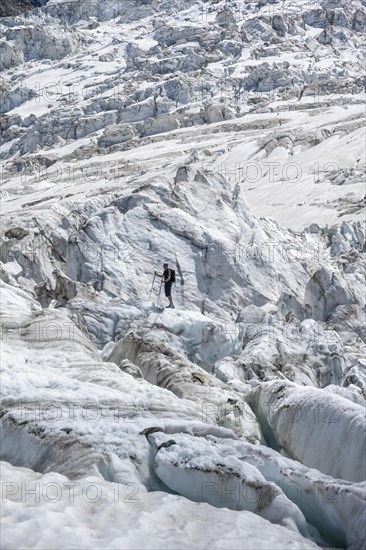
column 168, row 277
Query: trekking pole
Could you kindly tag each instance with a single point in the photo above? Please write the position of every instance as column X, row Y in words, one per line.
column 161, row 284
column 152, row 286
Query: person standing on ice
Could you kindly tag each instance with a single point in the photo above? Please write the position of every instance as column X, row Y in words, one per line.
column 168, row 277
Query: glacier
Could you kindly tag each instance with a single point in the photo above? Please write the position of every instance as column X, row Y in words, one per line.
column 227, row 138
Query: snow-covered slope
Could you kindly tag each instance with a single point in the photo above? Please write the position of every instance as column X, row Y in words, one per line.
column 106, row 91
column 228, row 139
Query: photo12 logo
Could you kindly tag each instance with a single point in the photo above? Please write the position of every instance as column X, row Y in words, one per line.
column 105, row 174
column 52, row 492
column 270, row 171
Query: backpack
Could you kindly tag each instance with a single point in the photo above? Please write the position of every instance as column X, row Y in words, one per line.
column 172, row 275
